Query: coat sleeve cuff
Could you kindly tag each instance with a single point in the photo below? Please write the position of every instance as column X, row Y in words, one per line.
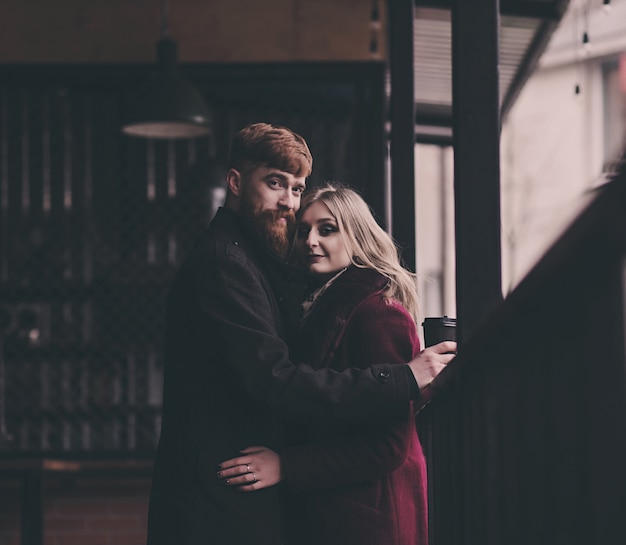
column 414, row 390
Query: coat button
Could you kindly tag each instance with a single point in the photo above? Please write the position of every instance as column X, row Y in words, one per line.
column 236, row 243
column 383, row 375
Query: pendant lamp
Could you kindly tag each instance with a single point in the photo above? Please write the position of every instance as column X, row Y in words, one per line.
column 167, row 106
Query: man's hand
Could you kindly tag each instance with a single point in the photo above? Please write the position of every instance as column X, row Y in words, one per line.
column 430, row 361
column 257, row 468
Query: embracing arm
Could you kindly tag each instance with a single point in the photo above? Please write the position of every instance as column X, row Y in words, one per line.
column 234, row 299
column 348, row 460
column 364, row 453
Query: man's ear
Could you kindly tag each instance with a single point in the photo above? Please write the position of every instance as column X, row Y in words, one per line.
column 233, row 180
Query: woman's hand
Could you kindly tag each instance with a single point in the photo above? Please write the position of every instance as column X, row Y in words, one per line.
column 258, row 467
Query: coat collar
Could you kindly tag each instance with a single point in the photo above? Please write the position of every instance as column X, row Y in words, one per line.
column 287, row 282
column 324, row 327
column 348, row 290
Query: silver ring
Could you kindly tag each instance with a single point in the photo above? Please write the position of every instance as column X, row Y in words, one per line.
column 248, row 466
column 254, row 475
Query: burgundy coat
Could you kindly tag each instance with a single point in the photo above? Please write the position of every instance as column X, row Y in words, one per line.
column 360, row 484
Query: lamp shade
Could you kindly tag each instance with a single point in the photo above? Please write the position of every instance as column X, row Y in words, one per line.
column 167, row 106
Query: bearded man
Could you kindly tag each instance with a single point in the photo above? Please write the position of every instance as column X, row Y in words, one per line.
column 228, row 380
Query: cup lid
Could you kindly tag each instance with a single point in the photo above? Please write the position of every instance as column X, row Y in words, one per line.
column 440, row 320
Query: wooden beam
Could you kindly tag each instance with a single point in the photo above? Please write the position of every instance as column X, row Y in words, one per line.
column 476, row 137
column 401, row 14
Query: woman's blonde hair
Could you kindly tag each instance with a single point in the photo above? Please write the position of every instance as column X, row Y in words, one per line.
column 367, row 242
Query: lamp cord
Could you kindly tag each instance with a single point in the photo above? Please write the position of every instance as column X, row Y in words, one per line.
column 165, row 23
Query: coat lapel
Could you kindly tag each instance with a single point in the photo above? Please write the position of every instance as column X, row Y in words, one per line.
column 323, row 330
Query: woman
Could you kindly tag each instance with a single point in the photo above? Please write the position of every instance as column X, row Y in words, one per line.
column 358, row 484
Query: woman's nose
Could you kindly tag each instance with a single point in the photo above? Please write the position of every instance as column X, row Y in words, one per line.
column 311, row 240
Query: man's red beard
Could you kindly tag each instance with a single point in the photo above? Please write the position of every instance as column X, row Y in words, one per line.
column 276, row 234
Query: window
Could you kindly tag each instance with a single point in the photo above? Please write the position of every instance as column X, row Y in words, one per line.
column 614, row 76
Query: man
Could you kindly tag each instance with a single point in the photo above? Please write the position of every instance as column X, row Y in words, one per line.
column 228, row 378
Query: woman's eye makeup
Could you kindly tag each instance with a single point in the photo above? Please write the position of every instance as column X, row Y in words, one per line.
column 323, row 230
column 328, row 229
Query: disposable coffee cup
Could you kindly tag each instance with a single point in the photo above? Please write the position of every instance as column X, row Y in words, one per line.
column 439, row 329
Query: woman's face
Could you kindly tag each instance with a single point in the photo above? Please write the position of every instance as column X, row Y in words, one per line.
column 320, row 245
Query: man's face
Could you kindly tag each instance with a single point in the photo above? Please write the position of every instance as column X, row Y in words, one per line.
column 270, row 198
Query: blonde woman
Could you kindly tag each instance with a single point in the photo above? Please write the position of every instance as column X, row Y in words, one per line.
column 355, row 484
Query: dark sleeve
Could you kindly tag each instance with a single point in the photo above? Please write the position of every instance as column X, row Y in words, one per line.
column 372, row 451
column 414, row 389
column 234, row 298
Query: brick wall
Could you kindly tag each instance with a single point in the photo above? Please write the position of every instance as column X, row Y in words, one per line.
column 82, row 512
